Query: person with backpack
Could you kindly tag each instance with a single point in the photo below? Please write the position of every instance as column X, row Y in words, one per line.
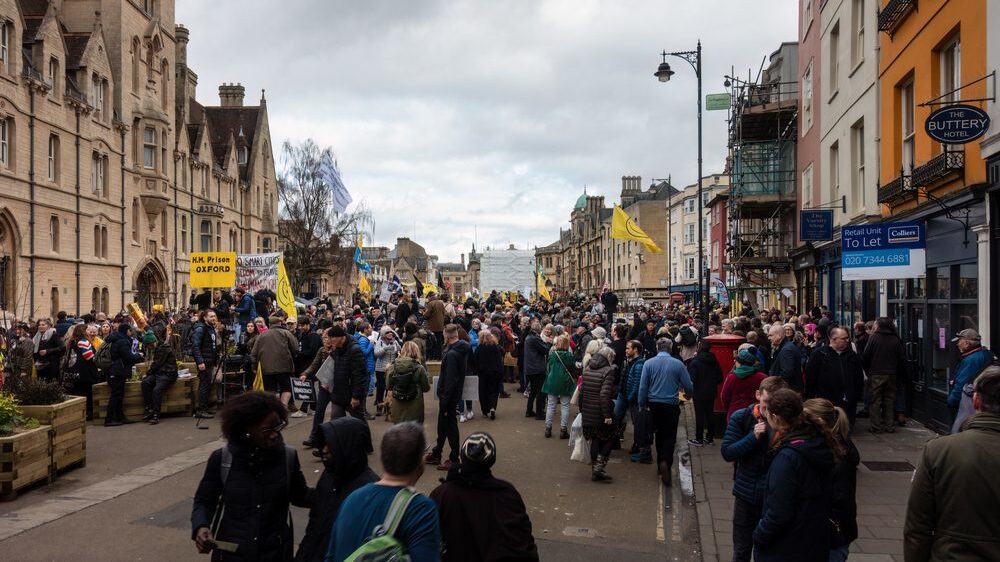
column 79, row 369
column 161, row 375
column 483, row 518
column 389, row 516
column 124, row 354
column 407, row 381
column 241, row 507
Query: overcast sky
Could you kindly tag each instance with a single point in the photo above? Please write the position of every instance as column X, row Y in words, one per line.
column 448, row 116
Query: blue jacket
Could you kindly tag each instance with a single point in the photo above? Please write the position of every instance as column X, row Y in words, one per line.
column 739, row 445
column 662, row 378
column 474, row 339
column 798, row 503
column 367, row 349
column 246, row 309
column 966, row 371
column 630, row 384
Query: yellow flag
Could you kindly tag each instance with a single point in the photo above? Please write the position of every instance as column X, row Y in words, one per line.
column 258, row 380
column 624, row 228
column 284, row 296
column 543, row 291
column 363, row 286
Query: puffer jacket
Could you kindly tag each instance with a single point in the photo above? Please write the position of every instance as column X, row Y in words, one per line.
column 256, row 495
column 385, row 354
column 630, row 382
column 798, row 502
column 350, row 377
column 122, row 355
column 973, row 362
column 367, row 350
column 204, row 346
column 741, row 446
column 536, row 353
column 597, row 391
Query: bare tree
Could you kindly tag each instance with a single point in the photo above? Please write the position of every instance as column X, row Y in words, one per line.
column 316, row 238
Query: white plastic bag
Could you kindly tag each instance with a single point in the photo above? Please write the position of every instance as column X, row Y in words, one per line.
column 575, row 430
column 581, row 450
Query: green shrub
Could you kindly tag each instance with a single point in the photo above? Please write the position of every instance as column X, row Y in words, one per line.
column 11, row 418
column 37, row 392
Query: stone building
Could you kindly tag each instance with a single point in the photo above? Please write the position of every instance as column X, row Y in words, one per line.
column 111, row 172
column 683, row 232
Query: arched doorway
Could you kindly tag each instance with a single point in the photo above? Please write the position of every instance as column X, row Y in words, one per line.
column 150, row 286
column 8, row 262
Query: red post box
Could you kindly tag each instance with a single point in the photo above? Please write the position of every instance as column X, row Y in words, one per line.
column 724, row 348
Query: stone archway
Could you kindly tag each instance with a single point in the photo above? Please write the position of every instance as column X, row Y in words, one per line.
column 150, row 286
column 9, row 250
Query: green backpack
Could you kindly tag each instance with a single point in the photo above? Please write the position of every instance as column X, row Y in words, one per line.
column 383, row 546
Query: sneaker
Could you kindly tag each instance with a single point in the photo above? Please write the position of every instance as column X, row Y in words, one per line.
column 548, row 432
column 431, row 458
column 563, row 434
column 696, row 442
column 149, row 415
column 504, row 395
column 309, row 443
column 462, row 419
column 710, row 442
column 446, row 465
column 493, row 414
column 299, row 414
column 154, row 419
column 470, row 415
column 203, row 414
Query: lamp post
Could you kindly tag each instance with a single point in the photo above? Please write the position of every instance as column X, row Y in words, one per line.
column 663, row 74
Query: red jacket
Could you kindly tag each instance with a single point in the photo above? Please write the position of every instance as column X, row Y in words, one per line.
column 739, row 393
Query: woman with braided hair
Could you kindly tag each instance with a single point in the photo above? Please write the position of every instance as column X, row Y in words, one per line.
column 798, row 498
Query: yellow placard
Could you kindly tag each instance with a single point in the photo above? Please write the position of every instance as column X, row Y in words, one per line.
column 284, row 294
column 213, row 269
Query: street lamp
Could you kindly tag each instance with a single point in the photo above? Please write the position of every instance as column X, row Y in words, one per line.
column 663, row 74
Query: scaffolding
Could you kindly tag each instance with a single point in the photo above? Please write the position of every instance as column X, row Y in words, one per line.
column 762, row 150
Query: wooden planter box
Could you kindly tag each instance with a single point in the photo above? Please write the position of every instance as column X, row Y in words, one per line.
column 25, row 458
column 141, row 368
column 68, row 421
column 433, row 368
column 179, row 399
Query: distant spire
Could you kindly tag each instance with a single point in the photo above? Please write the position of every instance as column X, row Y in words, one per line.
column 263, row 100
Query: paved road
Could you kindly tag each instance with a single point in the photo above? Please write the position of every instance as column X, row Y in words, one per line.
column 132, row 501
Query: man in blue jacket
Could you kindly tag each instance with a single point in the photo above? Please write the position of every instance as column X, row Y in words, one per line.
column 974, row 359
column 246, row 312
column 787, row 360
column 662, row 378
column 746, row 444
column 368, row 350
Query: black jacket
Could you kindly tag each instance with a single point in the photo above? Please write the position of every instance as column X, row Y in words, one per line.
column 50, row 362
column 883, row 355
column 795, row 521
column 348, row 470
column 845, row 505
column 122, row 358
column 309, row 345
column 610, row 302
column 838, row 377
column 350, row 375
column 597, row 391
column 787, row 364
column 706, row 375
column 536, row 353
column 255, row 500
column 402, row 315
column 488, row 362
column 204, row 346
column 164, row 361
column 454, row 367
column 483, row 519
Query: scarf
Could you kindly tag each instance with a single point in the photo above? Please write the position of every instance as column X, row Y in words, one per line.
column 41, row 338
column 744, row 371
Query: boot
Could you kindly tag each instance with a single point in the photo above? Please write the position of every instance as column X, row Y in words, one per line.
column 563, row 434
column 597, row 473
column 548, row 432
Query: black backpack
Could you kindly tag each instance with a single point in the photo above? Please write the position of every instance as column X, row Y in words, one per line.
column 404, row 386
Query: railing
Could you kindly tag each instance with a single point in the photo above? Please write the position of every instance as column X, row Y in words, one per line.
column 773, row 92
column 938, row 168
column 892, row 15
column 899, row 188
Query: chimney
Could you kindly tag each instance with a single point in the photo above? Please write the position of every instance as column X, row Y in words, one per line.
column 182, row 36
column 463, row 261
column 231, row 95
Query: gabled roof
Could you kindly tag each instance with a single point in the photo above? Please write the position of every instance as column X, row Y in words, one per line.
column 76, row 44
column 231, row 122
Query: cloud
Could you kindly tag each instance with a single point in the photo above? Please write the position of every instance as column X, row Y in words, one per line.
column 451, row 118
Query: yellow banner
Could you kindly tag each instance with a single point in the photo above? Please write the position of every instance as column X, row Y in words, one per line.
column 624, row 228
column 213, row 269
column 285, row 296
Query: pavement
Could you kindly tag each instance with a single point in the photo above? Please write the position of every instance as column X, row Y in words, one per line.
column 132, row 500
column 882, row 492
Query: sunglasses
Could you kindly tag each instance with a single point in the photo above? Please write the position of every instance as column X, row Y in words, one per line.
column 276, row 429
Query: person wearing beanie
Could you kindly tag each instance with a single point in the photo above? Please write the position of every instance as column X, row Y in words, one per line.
column 482, row 517
column 740, row 387
column 161, row 374
column 124, row 355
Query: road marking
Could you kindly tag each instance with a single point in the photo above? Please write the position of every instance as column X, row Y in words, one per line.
column 660, row 536
column 17, row 522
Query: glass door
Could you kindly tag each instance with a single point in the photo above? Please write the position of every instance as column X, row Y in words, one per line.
column 913, row 336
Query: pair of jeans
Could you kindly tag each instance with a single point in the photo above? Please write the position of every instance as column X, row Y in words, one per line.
column 447, row 429
column 116, row 400
column 703, row 419
column 881, row 414
column 434, row 350
column 840, row 553
column 153, row 387
column 550, row 410
column 379, row 387
column 745, row 518
column 665, row 417
column 536, row 398
column 205, row 385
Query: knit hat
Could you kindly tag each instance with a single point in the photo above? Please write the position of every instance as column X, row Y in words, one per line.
column 479, row 449
column 746, row 357
column 599, row 333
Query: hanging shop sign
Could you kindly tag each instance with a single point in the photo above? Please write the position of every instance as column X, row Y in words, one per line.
column 957, row 124
column 883, row 251
column 717, row 102
column 816, row 225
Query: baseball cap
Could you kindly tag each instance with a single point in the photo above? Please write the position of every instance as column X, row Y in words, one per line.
column 968, row 334
column 337, row 331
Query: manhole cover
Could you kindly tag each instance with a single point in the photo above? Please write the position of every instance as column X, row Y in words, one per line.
column 888, row 466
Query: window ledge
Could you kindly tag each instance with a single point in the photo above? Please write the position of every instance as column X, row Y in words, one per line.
column 833, row 95
column 856, row 67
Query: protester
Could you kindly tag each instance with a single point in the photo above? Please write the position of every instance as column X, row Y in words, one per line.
column 349, row 382
column 951, row 514
column 419, row 529
column 597, row 407
column 560, row 382
column 83, row 372
column 205, row 350
column 162, row 373
column 274, row 354
column 884, row 362
column 48, row 350
column 628, row 402
column 386, row 351
column 798, row 498
column 245, row 311
column 124, row 355
column 975, row 358
column 536, row 352
column 834, row 372
column 844, row 515
column 345, row 445
column 742, row 383
column 244, row 496
column 407, row 382
column 706, row 376
column 309, row 345
column 454, row 366
column 786, row 359
column 488, row 366
column 434, row 317
column 663, row 376
column 482, row 517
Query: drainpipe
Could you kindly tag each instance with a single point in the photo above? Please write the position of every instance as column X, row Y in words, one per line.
column 122, row 266
column 77, row 143
column 174, row 266
column 883, row 297
column 31, row 202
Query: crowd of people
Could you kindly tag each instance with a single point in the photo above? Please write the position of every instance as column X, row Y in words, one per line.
column 792, row 399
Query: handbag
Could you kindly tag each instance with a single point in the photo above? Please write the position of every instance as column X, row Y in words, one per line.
column 575, row 399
